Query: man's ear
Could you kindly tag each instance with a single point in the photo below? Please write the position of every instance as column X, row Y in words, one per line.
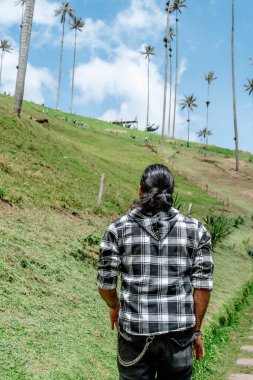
column 140, row 192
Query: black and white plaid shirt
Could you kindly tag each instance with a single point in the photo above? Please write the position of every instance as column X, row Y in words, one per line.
column 160, row 258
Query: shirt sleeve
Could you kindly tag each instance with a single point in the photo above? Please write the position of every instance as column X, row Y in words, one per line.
column 109, row 260
column 202, row 270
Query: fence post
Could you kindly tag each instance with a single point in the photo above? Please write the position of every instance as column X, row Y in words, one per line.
column 101, row 188
column 190, row 209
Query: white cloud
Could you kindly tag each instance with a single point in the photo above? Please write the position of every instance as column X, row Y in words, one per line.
column 124, row 81
column 142, row 15
column 141, row 21
column 39, row 86
column 43, row 14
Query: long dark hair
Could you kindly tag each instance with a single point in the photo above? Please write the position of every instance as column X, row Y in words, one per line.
column 157, row 186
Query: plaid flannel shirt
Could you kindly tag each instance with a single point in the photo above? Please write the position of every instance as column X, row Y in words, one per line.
column 160, row 258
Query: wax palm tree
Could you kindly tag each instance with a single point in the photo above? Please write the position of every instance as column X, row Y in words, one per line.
column 200, row 134
column 23, row 55
column 209, row 77
column 234, row 90
column 166, row 44
column 6, row 47
column 189, row 102
column 171, row 38
column 249, row 87
column 176, row 7
column 206, row 132
column 63, row 11
column 77, row 23
column 149, row 50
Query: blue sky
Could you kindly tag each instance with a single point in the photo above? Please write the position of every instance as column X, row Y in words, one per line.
column 111, row 74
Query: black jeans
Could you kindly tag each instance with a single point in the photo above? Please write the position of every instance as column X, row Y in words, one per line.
column 169, row 357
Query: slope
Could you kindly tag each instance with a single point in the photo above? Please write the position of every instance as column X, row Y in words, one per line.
column 53, row 324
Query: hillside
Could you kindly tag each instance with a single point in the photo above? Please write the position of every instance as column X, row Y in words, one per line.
column 53, row 324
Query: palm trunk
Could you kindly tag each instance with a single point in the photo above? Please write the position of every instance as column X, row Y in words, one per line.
column 60, row 67
column 234, row 90
column 2, row 55
column 176, row 79
column 188, row 121
column 207, row 114
column 207, row 105
column 169, row 116
column 23, row 55
column 147, row 122
column 73, row 74
column 165, row 80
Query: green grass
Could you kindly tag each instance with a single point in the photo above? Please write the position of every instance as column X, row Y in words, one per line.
column 53, row 323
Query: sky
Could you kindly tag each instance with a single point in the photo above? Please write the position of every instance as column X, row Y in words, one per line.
column 111, row 74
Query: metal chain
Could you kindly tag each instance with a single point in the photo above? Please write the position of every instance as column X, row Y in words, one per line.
column 139, row 357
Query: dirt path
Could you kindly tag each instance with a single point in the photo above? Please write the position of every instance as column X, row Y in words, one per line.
column 216, row 174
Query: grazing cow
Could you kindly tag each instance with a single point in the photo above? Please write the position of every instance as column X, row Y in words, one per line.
column 41, row 121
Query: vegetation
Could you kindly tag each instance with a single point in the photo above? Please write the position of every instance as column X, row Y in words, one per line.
column 149, row 50
column 6, row 47
column 219, row 226
column 204, row 133
column 189, row 102
column 209, row 77
column 49, row 233
column 234, row 90
column 176, row 7
column 249, row 87
column 171, row 35
column 64, row 11
column 77, row 23
column 23, row 54
column 234, row 321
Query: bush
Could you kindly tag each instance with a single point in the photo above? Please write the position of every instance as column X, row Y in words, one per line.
column 238, row 221
column 219, row 226
column 177, row 202
column 88, row 249
column 2, row 192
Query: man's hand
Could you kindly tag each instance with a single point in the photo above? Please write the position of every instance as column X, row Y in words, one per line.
column 111, row 298
column 114, row 316
column 198, row 348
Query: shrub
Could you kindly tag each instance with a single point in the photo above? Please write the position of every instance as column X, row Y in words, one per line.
column 239, row 220
column 177, row 201
column 219, row 226
column 2, row 192
column 88, row 249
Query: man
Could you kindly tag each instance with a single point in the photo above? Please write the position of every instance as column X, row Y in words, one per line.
column 164, row 260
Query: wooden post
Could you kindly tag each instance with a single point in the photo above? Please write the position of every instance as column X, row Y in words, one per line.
column 101, row 188
column 190, row 209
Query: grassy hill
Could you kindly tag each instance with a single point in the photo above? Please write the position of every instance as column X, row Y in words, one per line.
column 53, row 323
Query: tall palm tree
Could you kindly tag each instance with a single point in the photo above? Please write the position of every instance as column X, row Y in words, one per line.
column 176, row 7
column 189, row 102
column 166, row 41
column 200, row 134
column 63, row 11
column 23, row 55
column 6, row 47
column 77, row 23
column 206, row 132
column 209, row 77
column 249, row 87
column 171, row 38
column 233, row 87
column 149, row 50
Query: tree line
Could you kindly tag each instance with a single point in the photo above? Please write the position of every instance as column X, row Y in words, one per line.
column 65, row 12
